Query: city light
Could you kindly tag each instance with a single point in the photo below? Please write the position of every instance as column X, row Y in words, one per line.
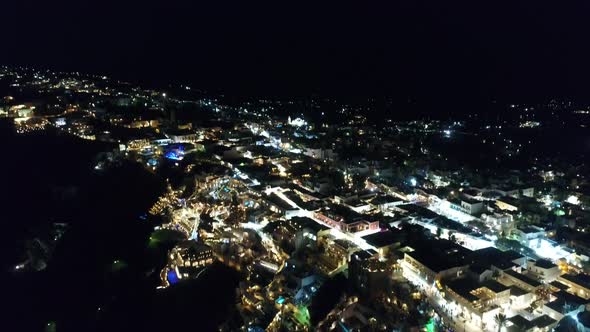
column 278, row 206
column 572, row 199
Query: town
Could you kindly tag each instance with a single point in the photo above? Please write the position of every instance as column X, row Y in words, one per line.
column 336, row 221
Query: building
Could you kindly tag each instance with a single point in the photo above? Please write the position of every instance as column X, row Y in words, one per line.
column 497, row 220
column 320, row 153
column 306, row 231
column 578, row 284
column 278, row 205
column 298, row 278
column 477, row 303
column 507, row 203
column 368, row 276
column 336, row 255
column 186, row 260
column 317, row 185
column 385, row 241
column 521, row 280
column 542, row 323
column 138, row 144
column 564, row 304
column 21, row 110
column 495, row 260
column 467, row 205
column 543, row 270
column 526, row 234
column 257, row 216
column 385, row 202
column 345, row 219
column 440, row 260
column 528, row 192
column 520, row 298
column 191, row 254
column 358, row 206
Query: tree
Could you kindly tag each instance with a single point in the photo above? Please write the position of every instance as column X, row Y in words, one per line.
column 358, row 182
column 500, row 320
column 438, row 232
column 496, row 274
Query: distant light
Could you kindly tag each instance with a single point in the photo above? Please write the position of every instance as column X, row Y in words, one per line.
column 164, row 95
column 572, row 199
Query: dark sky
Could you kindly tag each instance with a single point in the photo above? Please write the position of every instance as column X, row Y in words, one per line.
column 451, row 50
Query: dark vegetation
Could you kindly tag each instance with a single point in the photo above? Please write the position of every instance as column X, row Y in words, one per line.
column 103, row 273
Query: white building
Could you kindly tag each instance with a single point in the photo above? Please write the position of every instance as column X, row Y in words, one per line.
column 544, row 270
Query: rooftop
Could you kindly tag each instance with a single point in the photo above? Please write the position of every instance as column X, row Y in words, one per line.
column 523, row 324
column 304, row 222
column 489, row 256
column 440, row 255
column 276, row 200
column 530, row 229
column 526, row 279
column 544, row 264
column 193, row 246
column 464, row 287
column 384, row 238
column 579, row 279
column 566, row 302
column 384, row 199
column 469, row 200
column 364, row 254
column 494, row 286
column 517, row 291
column 509, row 200
column 559, row 285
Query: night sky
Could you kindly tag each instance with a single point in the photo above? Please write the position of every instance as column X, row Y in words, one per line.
column 422, row 50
